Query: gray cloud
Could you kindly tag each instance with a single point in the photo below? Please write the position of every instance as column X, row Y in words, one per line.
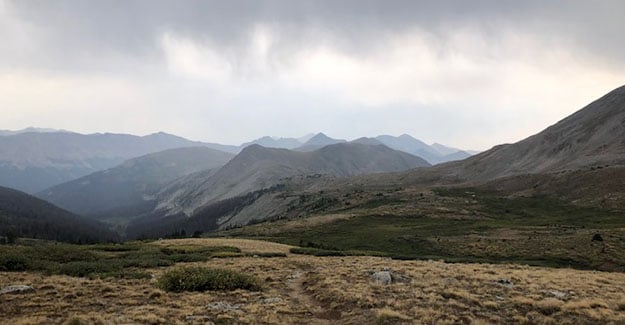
column 74, row 32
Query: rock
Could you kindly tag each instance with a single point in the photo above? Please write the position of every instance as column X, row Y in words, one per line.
column 387, row 276
column 274, row 300
column 597, row 237
column 382, row 277
column 505, row 282
column 557, row 294
column 224, row 306
column 17, row 289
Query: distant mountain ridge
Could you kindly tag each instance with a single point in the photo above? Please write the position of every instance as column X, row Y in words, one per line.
column 35, row 161
column 270, row 142
column 434, row 154
column 29, row 130
column 128, row 189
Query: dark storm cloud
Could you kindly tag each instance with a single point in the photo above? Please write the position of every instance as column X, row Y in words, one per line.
column 87, row 34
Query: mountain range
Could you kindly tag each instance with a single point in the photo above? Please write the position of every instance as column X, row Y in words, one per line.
column 194, row 187
column 581, row 158
column 33, row 159
column 185, row 179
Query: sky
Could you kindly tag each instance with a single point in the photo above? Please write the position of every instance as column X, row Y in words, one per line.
column 470, row 74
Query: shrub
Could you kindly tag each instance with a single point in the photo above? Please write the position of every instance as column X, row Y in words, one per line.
column 127, row 274
column 83, row 269
column 13, row 262
column 203, row 279
column 61, row 253
column 145, row 262
column 316, row 251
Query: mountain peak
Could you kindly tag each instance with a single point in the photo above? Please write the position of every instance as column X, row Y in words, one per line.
column 367, row 141
column 320, row 139
column 407, row 136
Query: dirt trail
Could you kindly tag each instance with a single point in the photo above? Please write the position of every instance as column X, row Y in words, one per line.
column 316, row 312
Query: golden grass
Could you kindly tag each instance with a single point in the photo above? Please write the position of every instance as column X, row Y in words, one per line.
column 245, row 245
column 327, row 290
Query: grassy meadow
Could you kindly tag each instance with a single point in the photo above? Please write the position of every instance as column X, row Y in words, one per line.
column 459, row 225
column 297, row 289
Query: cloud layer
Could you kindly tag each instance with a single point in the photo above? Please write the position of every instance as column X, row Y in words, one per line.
column 470, row 74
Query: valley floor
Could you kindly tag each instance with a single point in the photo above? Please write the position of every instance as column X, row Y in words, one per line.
column 303, row 289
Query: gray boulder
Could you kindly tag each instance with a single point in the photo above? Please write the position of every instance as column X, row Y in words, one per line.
column 17, row 289
column 382, row 277
column 387, row 276
column 225, row 307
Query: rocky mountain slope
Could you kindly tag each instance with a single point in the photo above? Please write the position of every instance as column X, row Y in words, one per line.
column 592, row 137
column 128, row 189
column 23, row 215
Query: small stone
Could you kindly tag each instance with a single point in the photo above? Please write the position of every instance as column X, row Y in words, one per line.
column 273, row 300
column 382, row 277
column 17, row 289
column 558, row 294
column 224, row 306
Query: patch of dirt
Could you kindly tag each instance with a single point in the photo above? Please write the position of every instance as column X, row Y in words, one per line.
column 319, row 314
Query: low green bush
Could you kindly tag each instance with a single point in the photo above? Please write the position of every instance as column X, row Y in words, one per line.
column 14, row 262
column 103, row 260
column 316, row 251
column 83, row 269
column 205, row 279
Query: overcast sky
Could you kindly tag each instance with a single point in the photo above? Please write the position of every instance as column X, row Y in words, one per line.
column 470, row 74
